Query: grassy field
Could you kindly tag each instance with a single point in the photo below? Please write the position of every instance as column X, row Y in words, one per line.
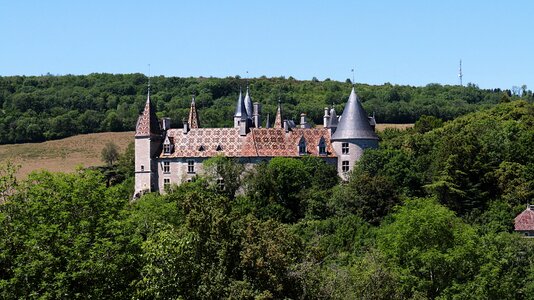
column 82, row 150
column 62, row 155
column 381, row 127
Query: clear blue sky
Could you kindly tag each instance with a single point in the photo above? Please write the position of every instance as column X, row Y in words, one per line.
column 401, row 42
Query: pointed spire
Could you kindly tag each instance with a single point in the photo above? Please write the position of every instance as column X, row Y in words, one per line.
column 332, row 122
column 248, row 104
column 240, row 109
column 354, row 122
column 147, row 123
column 278, row 118
column 193, row 120
column 268, row 122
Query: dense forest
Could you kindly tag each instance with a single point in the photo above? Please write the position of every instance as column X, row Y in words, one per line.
column 38, row 108
column 428, row 215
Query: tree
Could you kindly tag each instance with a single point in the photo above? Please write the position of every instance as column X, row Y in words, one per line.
column 63, row 236
column 430, row 246
column 225, row 174
column 110, row 153
column 370, row 197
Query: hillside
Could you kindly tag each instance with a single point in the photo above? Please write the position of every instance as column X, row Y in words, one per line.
column 62, row 155
column 40, row 108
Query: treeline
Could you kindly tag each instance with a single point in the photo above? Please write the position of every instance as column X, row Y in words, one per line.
column 38, row 108
column 429, row 215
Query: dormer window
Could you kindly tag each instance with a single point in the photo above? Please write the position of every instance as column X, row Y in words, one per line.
column 322, row 146
column 219, row 148
column 302, row 146
column 201, row 148
column 166, row 148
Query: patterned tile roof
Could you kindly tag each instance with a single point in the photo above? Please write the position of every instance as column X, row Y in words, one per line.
column 147, row 123
column 193, row 120
column 278, row 117
column 259, row 142
column 525, row 220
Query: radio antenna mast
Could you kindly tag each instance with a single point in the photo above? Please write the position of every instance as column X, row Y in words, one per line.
column 460, row 74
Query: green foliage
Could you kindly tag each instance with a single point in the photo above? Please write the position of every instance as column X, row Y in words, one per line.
column 110, row 153
column 37, row 108
column 226, row 169
column 8, row 181
column 62, row 237
column 427, row 123
column 287, row 189
column 294, row 231
column 430, row 246
column 126, row 162
column 370, row 197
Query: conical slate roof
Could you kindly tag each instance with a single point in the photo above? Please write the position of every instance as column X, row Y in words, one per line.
column 333, row 117
column 354, row 122
column 240, row 110
column 248, row 105
column 147, row 123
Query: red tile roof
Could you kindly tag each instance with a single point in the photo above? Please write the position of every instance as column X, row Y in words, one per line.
column 147, row 123
column 259, row 142
column 525, row 220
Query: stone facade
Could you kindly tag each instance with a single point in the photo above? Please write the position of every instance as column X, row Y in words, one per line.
column 165, row 155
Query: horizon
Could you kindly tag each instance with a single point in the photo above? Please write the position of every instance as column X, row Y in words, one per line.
column 267, row 78
column 415, row 43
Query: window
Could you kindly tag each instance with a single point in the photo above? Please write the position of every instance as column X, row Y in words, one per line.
column 166, row 167
column 322, row 147
column 302, row 146
column 344, row 148
column 220, row 184
column 166, row 183
column 166, row 148
column 142, row 168
column 191, row 166
column 345, row 166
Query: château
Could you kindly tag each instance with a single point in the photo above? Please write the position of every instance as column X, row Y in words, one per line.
column 165, row 155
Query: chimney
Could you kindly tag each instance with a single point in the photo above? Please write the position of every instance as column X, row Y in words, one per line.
column 186, row 127
column 166, row 123
column 286, row 125
column 303, row 123
column 326, row 117
column 256, row 115
column 243, row 127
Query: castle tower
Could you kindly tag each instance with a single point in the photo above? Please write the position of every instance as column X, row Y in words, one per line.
column 240, row 111
column 278, row 117
column 147, row 146
column 193, row 116
column 248, row 107
column 353, row 135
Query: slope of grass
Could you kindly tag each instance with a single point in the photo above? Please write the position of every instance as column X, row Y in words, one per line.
column 63, row 155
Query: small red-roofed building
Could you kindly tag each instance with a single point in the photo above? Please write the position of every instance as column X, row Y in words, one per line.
column 524, row 222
